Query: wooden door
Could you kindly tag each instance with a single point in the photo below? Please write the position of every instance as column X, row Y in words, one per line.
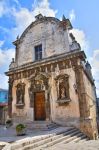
column 39, row 106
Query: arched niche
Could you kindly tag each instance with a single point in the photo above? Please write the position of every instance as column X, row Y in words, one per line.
column 20, row 94
column 62, row 86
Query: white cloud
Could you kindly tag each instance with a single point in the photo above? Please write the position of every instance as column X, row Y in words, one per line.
column 81, row 38
column 5, row 59
column 72, row 15
column 94, row 60
column 43, row 7
column 6, row 55
column 17, row 2
column 4, row 81
column 3, row 8
column 1, row 43
column 2, row 58
column 23, row 17
column 79, row 34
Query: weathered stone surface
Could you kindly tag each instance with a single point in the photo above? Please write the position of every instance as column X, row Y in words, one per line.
column 68, row 101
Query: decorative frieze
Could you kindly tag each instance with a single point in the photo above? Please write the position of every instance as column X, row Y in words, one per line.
column 48, row 68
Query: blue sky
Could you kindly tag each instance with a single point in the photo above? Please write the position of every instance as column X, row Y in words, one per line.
column 16, row 15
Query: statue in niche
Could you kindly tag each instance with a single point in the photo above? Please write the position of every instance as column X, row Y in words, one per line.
column 20, row 93
column 62, row 87
column 62, row 90
column 62, row 93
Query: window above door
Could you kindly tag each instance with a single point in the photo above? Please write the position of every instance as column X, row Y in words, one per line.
column 38, row 52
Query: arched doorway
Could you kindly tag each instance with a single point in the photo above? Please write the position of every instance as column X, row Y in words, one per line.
column 39, row 96
column 39, row 106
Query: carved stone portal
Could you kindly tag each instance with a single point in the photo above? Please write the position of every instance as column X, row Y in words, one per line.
column 39, row 83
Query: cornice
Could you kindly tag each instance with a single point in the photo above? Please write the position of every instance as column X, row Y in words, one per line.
column 49, row 60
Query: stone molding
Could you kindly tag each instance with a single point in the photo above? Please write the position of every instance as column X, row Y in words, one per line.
column 50, row 60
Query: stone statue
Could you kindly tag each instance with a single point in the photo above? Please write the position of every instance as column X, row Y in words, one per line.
column 20, row 93
column 62, row 87
column 62, row 93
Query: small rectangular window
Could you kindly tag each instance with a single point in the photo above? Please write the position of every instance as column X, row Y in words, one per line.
column 38, row 52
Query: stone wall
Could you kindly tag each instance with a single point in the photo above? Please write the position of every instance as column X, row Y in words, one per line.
column 52, row 37
column 90, row 123
column 24, row 114
column 66, row 114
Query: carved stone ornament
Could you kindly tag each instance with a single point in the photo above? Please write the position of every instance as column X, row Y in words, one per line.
column 20, row 92
column 38, row 82
column 62, row 84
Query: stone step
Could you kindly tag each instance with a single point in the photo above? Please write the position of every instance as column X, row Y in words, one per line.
column 82, row 137
column 52, row 126
column 58, row 136
column 45, row 125
column 20, row 144
column 48, row 140
column 64, row 140
column 73, row 137
column 56, row 141
column 84, row 140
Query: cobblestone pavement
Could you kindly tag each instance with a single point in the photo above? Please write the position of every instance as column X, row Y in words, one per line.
column 9, row 134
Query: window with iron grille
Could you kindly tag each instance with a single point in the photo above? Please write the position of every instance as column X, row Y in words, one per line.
column 38, row 52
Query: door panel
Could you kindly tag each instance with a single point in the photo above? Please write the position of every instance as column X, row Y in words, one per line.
column 39, row 106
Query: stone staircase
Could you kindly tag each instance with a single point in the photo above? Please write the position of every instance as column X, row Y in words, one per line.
column 42, row 125
column 63, row 136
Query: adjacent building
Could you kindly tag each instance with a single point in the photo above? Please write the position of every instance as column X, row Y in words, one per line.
column 50, row 79
column 3, row 105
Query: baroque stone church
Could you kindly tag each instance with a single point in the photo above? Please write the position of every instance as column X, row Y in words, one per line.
column 50, row 79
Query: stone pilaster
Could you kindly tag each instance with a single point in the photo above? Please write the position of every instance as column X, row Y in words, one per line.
column 86, row 123
column 10, row 98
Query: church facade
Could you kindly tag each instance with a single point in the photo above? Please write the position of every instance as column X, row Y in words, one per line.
column 50, row 79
